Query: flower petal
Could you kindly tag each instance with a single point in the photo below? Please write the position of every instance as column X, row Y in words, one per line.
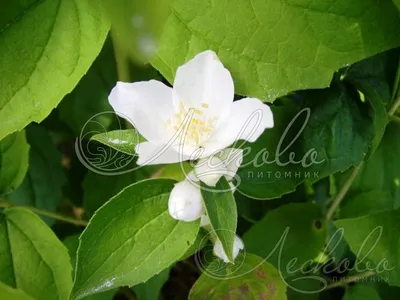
column 146, row 105
column 232, row 159
column 203, row 82
column 151, row 154
column 185, row 202
column 248, row 119
column 219, row 250
column 210, row 170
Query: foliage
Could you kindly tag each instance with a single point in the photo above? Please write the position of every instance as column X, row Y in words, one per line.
column 317, row 201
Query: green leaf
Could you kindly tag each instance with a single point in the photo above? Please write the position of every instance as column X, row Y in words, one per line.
column 374, row 239
column 42, row 186
column 32, row 258
column 130, row 239
column 220, row 206
column 14, row 155
column 301, row 287
column 89, row 99
column 283, row 44
column 120, row 140
column 371, row 193
column 361, row 292
column 151, row 289
column 252, row 278
column 9, row 293
column 262, row 180
column 340, row 129
column 397, row 3
column 198, row 244
column 46, row 47
column 293, row 231
column 137, row 25
column 98, row 189
column 72, row 243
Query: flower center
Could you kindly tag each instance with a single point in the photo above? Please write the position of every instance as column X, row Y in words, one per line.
column 197, row 130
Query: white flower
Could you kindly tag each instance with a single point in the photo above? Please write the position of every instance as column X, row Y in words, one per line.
column 195, row 118
column 185, row 202
column 219, row 250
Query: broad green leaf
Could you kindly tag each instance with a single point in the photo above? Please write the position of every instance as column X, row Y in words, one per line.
column 72, row 243
column 137, row 25
column 340, row 129
column 251, row 278
column 253, row 210
column 374, row 240
column 32, row 258
column 7, row 292
column 151, row 289
column 42, row 186
column 275, row 47
column 361, row 292
column 199, row 243
column 120, row 140
column 301, row 287
column 98, row 189
column 266, row 171
column 378, row 71
column 371, row 193
column 130, row 239
column 397, row 2
column 291, row 232
column 86, row 108
column 14, row 156
column 220, row 207
column 46, row 47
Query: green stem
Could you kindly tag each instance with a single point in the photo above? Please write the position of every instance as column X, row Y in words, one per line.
column 350, row 279
column 396, row 82
column 394, row 107
column 395, row 119
column 121, row 59
column 339, row 197
column 46, row 213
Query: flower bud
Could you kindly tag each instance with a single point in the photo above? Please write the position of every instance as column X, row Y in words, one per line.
column 185, row 202
column 219, row 250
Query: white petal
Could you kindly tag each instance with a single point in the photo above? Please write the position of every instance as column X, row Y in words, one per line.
column 185, row 202
column 210, row 170
column 204, row 221
column 248, row 119
column 151, row 154
column 219, row 251
column 232, row 159
column 146, row 105
column 204, row 80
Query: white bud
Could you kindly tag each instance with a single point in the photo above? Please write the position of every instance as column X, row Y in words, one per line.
column 205, row 221
column 210, row 170
column 185, row 202
column 232, row 159
column 219, row 250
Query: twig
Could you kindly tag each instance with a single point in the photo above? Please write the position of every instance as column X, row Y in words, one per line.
column 339, row 197
column 350, row 279
column 46, row 213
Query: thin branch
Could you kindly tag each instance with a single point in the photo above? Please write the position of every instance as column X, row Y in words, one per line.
column 350, row 279
column 395, row 119
column 339, row 197
column 121, row 59
column 394, row 107
column 46, row 213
